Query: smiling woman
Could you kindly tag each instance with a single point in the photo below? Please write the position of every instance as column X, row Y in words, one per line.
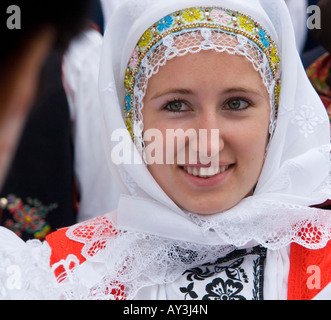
column 222, row 80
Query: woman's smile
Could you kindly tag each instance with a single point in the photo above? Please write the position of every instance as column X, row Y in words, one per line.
column 204, row 177
column 204, row 172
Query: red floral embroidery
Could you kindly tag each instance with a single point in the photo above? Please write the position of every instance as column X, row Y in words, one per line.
column 29, row 217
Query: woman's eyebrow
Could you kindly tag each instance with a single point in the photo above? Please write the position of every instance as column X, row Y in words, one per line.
column 188, row 91
column 242, row 89
column 171, row 91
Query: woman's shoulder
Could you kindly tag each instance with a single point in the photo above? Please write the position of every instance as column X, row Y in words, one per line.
column 82, row 240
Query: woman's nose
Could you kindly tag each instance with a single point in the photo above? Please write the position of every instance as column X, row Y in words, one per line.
column 209, row 138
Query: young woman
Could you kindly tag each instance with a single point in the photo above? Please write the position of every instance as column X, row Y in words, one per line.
column 221, row 148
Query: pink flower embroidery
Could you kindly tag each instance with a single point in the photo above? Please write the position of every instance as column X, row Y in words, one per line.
column 133, row 59
column 220, row 16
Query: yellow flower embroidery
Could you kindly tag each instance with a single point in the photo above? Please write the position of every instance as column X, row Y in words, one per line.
column 246, row 23
column 145, row 39
column 274, row 56
column 127, row 79
column 129, row 126
column 277, row 93
column 191, row 14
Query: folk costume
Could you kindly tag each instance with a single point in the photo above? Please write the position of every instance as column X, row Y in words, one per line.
column 149, row 248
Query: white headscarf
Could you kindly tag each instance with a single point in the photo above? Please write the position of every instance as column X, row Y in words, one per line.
column 296, row 173
column 157, row 240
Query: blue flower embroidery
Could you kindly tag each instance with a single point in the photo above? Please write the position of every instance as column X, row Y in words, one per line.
column 264, row 38
column 165, row 23
column 128, row 102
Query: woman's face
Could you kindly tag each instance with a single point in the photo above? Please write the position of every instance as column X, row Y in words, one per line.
column 223, row 95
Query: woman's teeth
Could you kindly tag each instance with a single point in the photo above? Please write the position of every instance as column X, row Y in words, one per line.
column 205, row 172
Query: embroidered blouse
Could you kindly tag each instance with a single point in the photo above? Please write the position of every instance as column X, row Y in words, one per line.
column 240, row 275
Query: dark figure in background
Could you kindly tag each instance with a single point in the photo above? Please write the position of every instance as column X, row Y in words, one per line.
column 38, row 194
column 37, row 187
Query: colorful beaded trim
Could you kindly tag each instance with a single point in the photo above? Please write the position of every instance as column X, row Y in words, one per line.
column 215, row 18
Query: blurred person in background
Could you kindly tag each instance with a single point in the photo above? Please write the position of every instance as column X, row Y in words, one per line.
column 35, row 35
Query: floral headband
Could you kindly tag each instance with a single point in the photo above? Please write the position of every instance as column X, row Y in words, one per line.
column 215, row 18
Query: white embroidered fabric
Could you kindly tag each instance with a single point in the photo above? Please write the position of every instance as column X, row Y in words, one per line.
column 126, row 255
column 25, row 272
column 24, row 268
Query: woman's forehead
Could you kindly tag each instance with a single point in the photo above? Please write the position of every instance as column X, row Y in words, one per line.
column 205, row 71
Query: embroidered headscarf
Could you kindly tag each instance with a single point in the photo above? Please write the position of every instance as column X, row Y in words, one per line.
column 296, row 170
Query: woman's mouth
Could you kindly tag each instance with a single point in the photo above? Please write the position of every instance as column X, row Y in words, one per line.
column 205, row 172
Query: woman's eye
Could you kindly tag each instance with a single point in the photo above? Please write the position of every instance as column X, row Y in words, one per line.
column 237, row 104
column 176, row 106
